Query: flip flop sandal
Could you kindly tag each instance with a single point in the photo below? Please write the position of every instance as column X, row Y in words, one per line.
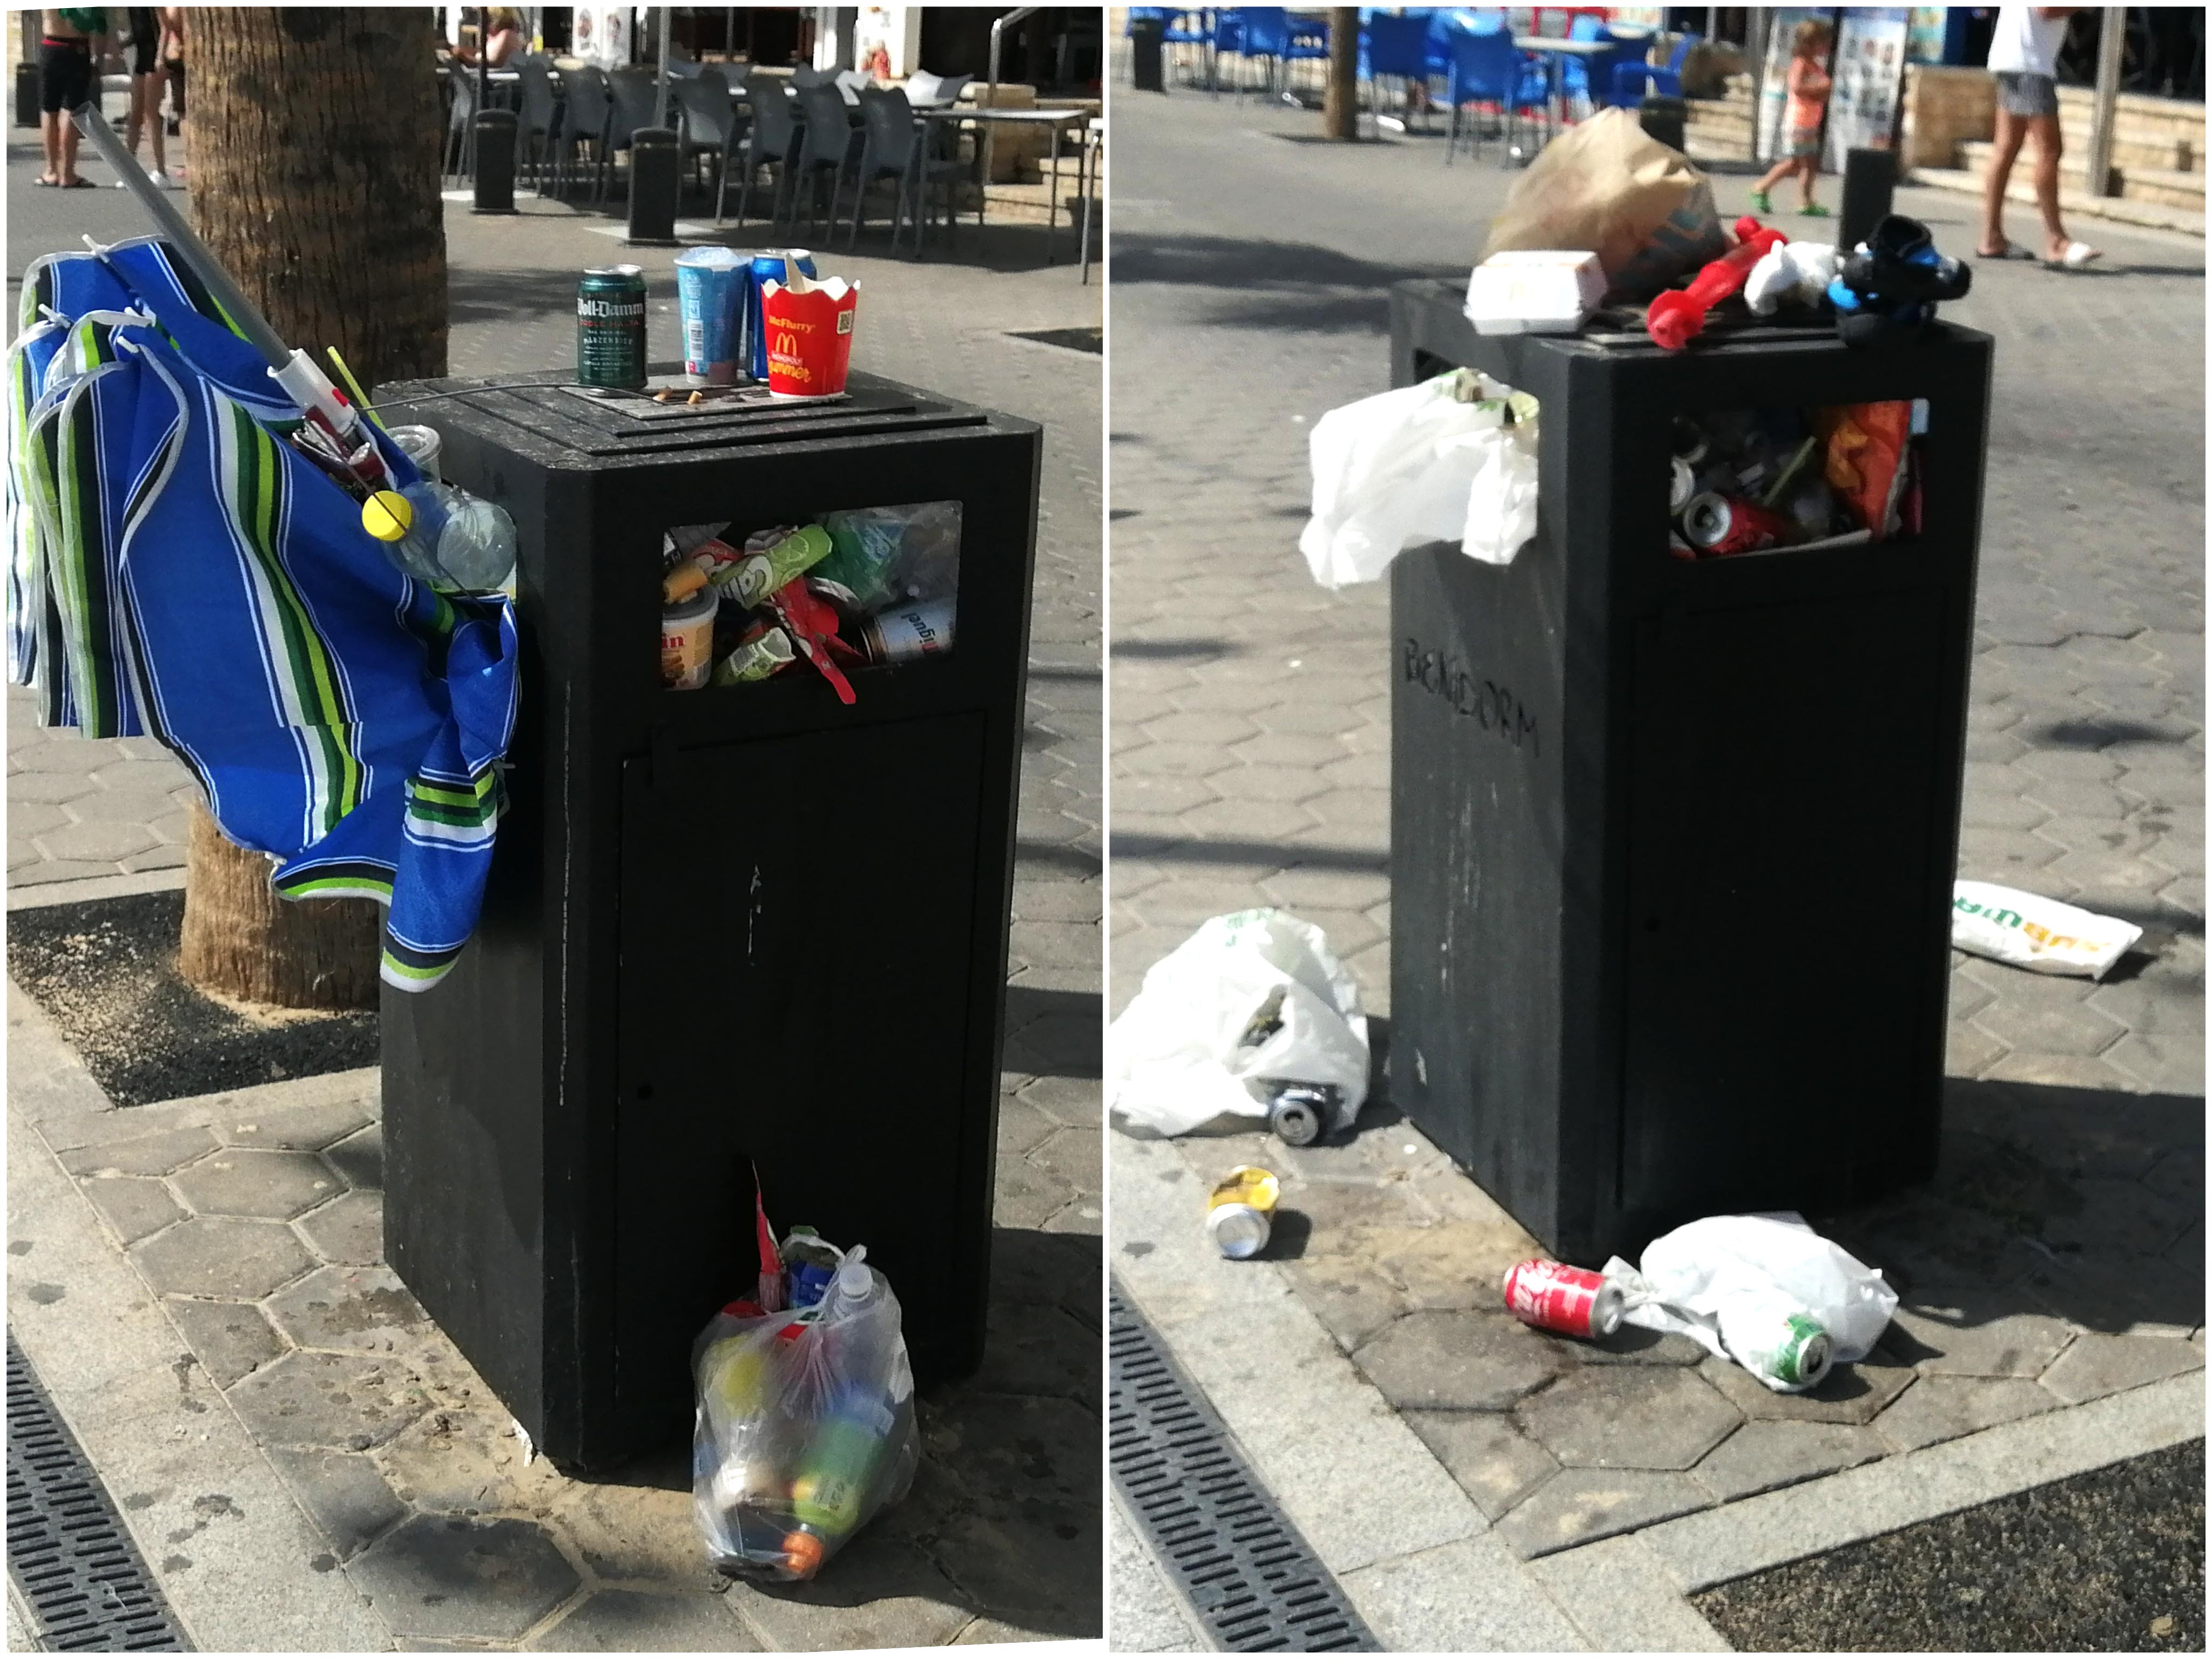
column 2078, row 256
column 47, row 183
column 80, row 184
column 2011, row 251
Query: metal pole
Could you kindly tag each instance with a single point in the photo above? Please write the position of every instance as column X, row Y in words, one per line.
column 483, row 78
column 241, row 311
column 660, row 88
column 998, row 25
column 2111, row 36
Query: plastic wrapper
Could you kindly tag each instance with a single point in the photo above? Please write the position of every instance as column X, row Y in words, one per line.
column 887, row 555
column 806, row 1428
column 1865, row 447
column 1426, row 463
column 1248, row 1003
column 1744, row 1287
column 2039, row 935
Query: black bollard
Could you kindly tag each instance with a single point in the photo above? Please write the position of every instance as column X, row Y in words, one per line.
column 656, row 174
column 495, row 147
column 1145, row 48
column 1664, row 119
column 27, row 94
column 1869, row 185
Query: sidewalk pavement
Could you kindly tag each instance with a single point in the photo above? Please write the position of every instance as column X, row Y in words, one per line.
column 2053, row 1275
column 305, row 1461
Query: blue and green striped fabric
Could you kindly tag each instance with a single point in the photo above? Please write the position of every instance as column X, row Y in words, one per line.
column 177, row 568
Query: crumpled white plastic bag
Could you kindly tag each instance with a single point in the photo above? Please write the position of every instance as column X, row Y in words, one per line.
column 1799, row 272
column 1688, row 1276
column 2037, row 933
column 1178, row 1056
column 1407, row 467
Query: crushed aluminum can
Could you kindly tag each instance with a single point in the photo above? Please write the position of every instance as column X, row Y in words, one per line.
column 1240, row 1211
column 1717, row 526
column 1572, row 1301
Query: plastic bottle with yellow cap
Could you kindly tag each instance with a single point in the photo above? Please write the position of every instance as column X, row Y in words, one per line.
column 442, row 535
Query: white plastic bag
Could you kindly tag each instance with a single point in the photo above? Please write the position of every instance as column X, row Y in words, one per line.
column 1799, row 272
column 2039, row 935
column 1716, row 1279
column 1401, row 469
column 1501, row 503
column 1253, row 997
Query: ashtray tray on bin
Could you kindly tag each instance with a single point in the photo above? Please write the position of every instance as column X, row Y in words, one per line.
column 678, row 398
column 726, row 930
column 1673, row 837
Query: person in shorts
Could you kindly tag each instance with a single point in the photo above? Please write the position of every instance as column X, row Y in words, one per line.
column 2024, row 58
column 69, row 40
column 1809, row 87
column 146, row 79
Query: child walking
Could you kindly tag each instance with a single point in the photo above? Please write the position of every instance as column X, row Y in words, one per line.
column 1809, row 86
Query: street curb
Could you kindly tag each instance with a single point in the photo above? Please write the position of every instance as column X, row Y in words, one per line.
column 186, row 1478
column 39, row 894
column 1754, row 1534
column 1266, row 1363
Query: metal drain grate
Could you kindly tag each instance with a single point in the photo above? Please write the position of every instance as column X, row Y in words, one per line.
column 1247, row 1572
column 67, row 1550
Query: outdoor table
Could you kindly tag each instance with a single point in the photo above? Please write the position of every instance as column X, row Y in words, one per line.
column 1555, row 52
column 1091, row 163
column 1056, row 119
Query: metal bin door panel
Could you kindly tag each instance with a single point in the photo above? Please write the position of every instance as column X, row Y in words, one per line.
column 1781, row 841
column 796, row 934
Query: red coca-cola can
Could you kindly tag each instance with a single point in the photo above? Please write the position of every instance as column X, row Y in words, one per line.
column 1720, row 524
column 1572, row 1301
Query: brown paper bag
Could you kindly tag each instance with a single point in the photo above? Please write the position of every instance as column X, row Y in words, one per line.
column 1608, row 187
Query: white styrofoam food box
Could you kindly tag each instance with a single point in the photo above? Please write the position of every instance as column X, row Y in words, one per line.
column 1534, row 291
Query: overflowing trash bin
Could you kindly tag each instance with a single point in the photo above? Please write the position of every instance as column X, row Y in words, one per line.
column 741, row 925
column 1675, row 786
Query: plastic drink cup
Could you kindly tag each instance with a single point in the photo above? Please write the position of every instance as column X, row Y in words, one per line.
column 420, row 445
column 687, row 641
column 709, row 298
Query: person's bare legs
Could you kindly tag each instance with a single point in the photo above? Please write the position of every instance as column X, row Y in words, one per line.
column 146, row 93
column 1775, row 174
column 50, row 135
column 1808, row 174
column 69, row 149
column 133, row 119
column 2048, row 143
column 2011, row 130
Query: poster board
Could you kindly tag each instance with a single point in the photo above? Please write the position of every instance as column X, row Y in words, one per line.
column 600, row 34
column 1868, row 69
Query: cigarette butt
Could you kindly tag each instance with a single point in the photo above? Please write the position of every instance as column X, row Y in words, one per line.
column 696, row 397
column 682, row 583
column 663, row 395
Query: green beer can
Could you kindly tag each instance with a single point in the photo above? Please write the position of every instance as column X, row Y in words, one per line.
column 611, row 327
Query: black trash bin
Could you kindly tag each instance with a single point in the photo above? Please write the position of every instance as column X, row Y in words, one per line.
column 1672, row 842
column 1147, row 38
column 738, row 927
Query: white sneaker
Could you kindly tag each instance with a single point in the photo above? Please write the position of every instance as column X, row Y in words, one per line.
column 162, row 181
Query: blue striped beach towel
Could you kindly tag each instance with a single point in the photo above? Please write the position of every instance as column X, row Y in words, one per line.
column 177, row 568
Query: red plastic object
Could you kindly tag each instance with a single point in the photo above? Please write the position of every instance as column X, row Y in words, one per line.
column 1678, row 316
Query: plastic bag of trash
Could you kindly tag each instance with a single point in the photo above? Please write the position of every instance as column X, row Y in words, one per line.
column 806, row 1424
column 2039, row 935
column 1428, row 463
column 1248, row 1003
column 1763, row 1290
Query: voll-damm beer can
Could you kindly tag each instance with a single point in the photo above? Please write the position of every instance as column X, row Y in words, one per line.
column 611, row 327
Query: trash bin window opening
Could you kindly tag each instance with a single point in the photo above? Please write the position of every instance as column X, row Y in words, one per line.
column 1780, row 479
column 858, row 588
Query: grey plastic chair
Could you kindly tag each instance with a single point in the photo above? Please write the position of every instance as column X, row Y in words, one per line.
column 893, row 147
column 584, row 121
column 826, row 143
column 458, row 158
column 771, row 140
column 710, row 126
column 540, row 116
column 632, row 92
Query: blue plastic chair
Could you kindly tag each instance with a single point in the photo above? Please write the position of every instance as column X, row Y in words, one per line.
column 1590, row 79
column 1264, row 32
column 1190, row 28
column 1486, row 68
column 1398, row 47
column 1308, row 44
column 1633, row 83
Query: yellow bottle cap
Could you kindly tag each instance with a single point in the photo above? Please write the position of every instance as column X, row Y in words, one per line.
column 387, row 515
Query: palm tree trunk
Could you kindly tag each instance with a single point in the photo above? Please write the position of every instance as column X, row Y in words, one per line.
column 1339, row 113
column 316, row 134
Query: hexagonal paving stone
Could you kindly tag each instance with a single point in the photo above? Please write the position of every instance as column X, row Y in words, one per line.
column 1496, row 1464
column 1963, row 1335
column 1761, row 1456
column 460, row 1458
column 359, row 1159
column 216, row 1256
column 306, row 1127
column 329, row 1401
column 2097, row 1365
column 246, row 1181
column 1458, row 1361
column 134, row 1205
column 97, row 843
column 1627, row 1417
column 143, row 1155
column 441, row 1577
column 229, row 1339
column 347, row 1498
column 1578, row 1506
column 1944, row 1408
column 52, row 788
column 346, row 1308
column 1856, row 1393
column 348, row 1229
column 630, row 1621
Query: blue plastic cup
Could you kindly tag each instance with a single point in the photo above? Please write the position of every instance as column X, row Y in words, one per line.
column 710, row 287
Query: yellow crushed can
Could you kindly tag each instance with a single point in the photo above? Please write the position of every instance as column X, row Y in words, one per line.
column 1240, row 1211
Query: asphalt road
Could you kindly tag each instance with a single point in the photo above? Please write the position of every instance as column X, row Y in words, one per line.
column 2108, row 1562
